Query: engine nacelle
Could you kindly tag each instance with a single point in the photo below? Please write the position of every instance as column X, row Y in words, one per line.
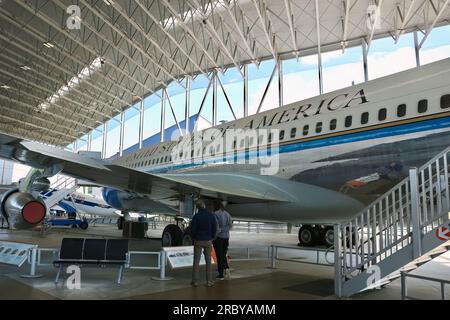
column 128, row 201
column 22, row 210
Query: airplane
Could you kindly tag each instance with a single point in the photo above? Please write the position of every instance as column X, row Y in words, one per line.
column 312, row 163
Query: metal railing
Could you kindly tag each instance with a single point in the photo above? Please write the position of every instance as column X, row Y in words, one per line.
column 271, row 253
column 413, row 207
column 61, row 182
column 404, row 275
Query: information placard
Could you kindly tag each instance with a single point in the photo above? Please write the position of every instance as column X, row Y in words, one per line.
column 182, row 257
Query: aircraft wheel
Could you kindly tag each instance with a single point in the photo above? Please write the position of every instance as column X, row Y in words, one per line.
column 187, row 237
column 120, row 221
column 328, row 236
column 171, row 236
column 308, row 236
column 83, row 225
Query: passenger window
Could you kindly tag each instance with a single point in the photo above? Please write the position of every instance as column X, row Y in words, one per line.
column 319, row 127
column 305, row 130
column 422, row 106
column 348, row 121
column 364, row 117
column 270, row 137
column 445, row 101
column 281, row 135
column 401, row 110
column 293, row 132
column 192, row 153
column 382, row 114
column 333, row 124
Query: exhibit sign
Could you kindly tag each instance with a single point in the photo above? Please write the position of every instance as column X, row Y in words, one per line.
column 182, row 257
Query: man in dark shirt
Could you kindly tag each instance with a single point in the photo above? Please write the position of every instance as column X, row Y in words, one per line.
column 204, row 229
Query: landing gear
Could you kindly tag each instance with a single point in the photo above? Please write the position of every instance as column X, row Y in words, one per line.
column 314, row 235
column 172, row 236
column 187, row 239
column 120, row 221
column 328, row 236
column 83, row 225
column 308, row 236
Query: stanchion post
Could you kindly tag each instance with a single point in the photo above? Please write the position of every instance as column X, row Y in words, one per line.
column 162, row 267
column 33, row 264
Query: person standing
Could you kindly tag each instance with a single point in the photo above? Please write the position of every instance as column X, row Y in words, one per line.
column 204, row 229
column 222, row 241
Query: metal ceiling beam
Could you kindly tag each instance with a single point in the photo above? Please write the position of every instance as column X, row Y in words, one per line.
column 146, row 35
column 290, row 16
column 211, row 29
column 112, row 46
column 74, row 89
column 64, row 132
column 21, row 122
column 372, row 30
column 130, row 42
column 74, row 39
column 266, row 25
column 250, row 51
column 188, row 30
column 430, row 28
column 36, row 34
column 51, row 92
column 405, row 20
column 347, row 5
column 46, row 112
column 169, row 36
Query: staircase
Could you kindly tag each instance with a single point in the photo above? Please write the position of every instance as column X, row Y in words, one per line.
column 61, row 188
column 398, row 232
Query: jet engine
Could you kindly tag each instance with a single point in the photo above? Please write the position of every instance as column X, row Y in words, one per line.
column 21, row 209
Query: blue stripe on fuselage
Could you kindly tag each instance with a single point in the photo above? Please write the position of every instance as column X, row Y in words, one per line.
column 425, row 125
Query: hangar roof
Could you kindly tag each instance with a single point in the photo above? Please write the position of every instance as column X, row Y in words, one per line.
column 66, row 69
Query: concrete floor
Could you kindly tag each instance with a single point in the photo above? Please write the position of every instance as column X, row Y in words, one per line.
column 250, row 279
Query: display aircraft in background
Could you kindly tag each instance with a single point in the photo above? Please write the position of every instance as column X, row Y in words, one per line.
column 313, row 163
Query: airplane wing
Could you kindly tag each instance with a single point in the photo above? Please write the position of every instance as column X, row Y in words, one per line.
column 233, row 187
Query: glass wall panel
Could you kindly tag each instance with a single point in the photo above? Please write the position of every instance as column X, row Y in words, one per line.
column 258, row 78
column 199, row 87
column 385, row 57
column 300, row 79
column 233, row 85
column 342, row 70
column 436, row 46
column 97, row 139
column 82, row 143
column 113, row 138
column 152, row 118
column 131, row 128
column 176, row 93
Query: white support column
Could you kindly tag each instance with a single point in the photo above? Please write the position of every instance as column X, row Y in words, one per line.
column 245, row 90
column 365, row 64
column 417, row 48
column 415, row 213
column 337, row 261
column 214, row 110
column 75, row 146
column 122, row 132
column 187, row 105
column 105, row 139
column 89, row 142
column 141, row 123
column 280, row 82
column 163, row 114
column 319, row 47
